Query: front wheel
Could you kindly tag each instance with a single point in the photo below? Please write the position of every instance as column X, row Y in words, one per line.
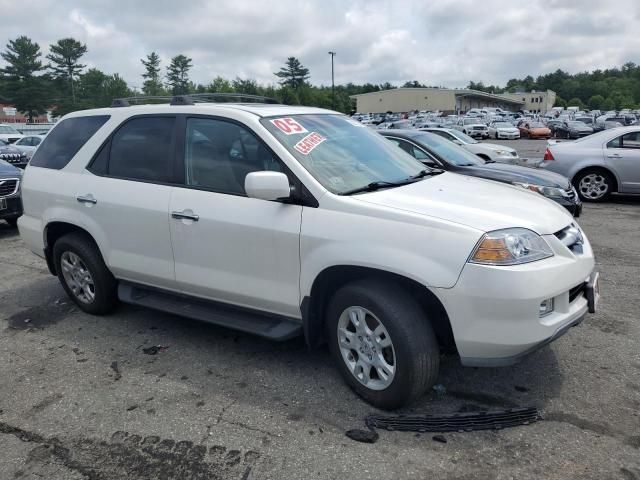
column 84, row 275
column 382, row 342
column 594, row 185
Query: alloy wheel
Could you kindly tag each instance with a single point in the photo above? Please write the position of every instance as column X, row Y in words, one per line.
column 366, row 348
column 593, row 186
column 78, row 277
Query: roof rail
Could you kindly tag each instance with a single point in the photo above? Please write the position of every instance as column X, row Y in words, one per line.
column 194, row 98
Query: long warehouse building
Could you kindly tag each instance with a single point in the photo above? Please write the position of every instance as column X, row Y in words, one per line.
column 445, row 100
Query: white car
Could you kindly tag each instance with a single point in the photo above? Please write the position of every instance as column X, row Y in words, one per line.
column 472, row 127
column 500, row 130
column 28, row 144
column 285, row 221
column 487, row 151
column 9, row 134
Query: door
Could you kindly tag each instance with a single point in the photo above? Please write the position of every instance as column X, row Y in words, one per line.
column 228, row 247
column 622, row 155
column 126, row 197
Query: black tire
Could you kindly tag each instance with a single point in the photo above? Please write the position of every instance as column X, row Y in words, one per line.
column 12, row 221
column 497, row 136
column 104, row 284
column 599, row 173
column 417, row 355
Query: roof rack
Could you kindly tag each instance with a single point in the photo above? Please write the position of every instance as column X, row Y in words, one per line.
column 193, row 99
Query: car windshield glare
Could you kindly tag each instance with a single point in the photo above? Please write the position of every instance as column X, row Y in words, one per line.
column 502, row 125
column 463, row 137
column 448, row 151
column 341, row 154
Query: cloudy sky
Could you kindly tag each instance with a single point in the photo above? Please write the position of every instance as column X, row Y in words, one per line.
column 443, row 42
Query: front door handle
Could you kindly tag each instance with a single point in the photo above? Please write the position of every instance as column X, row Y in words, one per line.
column 183, row 215
column 614, row 155
column 88, row 198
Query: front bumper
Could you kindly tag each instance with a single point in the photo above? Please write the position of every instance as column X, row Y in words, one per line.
column 494, row 311
column 509, row 136
column 573, row 206
column 14, row 207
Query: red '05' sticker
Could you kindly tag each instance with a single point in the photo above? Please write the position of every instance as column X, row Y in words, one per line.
column 289, row 126
column 308, row 143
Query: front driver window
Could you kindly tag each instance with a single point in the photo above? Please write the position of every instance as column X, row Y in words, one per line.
column 220, row 154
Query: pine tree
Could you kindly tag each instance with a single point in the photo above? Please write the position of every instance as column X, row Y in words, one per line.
column 152, row 83
column 293, row 74
column 178, row 74
column 26, row 90
column 65, row 54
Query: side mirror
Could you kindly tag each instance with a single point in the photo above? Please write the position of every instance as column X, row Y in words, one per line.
column 267, row 185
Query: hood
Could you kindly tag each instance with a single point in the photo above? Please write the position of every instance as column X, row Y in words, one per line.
column 6, row 169
column 481, row 204
column 9, row 149
column 496, row 147
column 504, row 172
column 582, row 129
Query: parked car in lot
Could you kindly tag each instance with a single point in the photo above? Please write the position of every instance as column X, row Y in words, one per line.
column 600, row 164
column 28, row 144
column 434, row 151
column 499, row 130
column 9, row 134
column 486, row 151
column 10, row 203
column 472, row 127
column 534, row 130
column 572, row 129
column 11, row 154
column 285, row 221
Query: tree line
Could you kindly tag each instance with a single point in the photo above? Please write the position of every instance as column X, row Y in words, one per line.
column 59, row 81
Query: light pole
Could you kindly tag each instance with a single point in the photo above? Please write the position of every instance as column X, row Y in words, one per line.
column 333, row 86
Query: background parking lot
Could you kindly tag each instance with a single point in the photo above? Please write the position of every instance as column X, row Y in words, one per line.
column 80, row 398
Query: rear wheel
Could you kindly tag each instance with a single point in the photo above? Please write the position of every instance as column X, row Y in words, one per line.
column 84, row 275
column 594, row 185
column 382, row 342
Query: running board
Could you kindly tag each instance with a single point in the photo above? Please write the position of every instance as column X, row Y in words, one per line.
column 265, row 325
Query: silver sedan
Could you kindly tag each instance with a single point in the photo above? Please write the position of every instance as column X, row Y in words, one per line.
column 600, row 164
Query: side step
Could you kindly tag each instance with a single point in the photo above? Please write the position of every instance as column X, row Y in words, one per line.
column 266, row 325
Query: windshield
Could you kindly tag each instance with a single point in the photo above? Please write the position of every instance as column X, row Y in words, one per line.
column 8, row 129
column 470, row 121
column 462, row 136
column 502, row 125
column 447, row 150
column 577, row 124
column 341, row 154
column 536, row 125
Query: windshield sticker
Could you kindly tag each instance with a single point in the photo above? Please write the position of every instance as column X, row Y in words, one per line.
column 308, row 143
column 289, row 126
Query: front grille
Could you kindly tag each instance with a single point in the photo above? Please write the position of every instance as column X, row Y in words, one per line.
column 576, row 292
column 514, row 154
column 8, row 187
column 570, row 192
column 570, row 236
column 479, row 128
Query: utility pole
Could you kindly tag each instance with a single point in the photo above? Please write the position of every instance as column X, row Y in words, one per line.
column 333, row 86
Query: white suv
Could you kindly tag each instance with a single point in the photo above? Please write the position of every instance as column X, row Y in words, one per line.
column 285, row 221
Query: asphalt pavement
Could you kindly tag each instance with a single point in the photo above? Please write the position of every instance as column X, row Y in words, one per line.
column 87, row 397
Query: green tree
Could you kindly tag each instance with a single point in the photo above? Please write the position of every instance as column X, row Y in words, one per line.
column 250, row 87
column 65, row 55
column 178, row 74
column 293, row 74
column 608, row 104
column 595, row 102
column 560, row 102
column 152, row 79
column 220, row 85
column 22, row 86
column 576, row 102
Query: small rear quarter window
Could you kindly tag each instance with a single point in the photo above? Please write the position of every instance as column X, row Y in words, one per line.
column 64, row 141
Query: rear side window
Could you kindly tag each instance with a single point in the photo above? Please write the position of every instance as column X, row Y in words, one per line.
column 143, row 149
column 64, row 141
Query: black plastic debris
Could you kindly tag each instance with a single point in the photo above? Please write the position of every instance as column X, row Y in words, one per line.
column 364, row 436
column 154, row 349
column 451, row 422
column 439, row 438
column 116, row 369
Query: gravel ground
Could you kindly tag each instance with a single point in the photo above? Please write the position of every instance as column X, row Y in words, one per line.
column 80, row 399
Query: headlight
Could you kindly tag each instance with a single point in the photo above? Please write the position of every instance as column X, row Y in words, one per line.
column 546, row 191
column 511, row 246
column 501, row 152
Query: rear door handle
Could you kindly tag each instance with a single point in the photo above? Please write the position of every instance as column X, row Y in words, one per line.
column 614, row 155
column 183, row 215
column 88, row 198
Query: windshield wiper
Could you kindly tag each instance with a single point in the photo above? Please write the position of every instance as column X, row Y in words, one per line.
column 373, row 186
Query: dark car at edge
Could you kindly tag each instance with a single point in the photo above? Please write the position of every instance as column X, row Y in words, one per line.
column 10, row 202
column 12, row 155
column 435, row 151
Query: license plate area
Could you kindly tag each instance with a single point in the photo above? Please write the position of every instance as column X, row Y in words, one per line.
column 593, row 292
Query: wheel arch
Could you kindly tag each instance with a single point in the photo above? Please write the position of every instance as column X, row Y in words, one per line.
column 331, row 279
column 484, row 156
column 55, row 230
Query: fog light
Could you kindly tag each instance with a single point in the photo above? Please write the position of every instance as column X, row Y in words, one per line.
column 546, row 307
